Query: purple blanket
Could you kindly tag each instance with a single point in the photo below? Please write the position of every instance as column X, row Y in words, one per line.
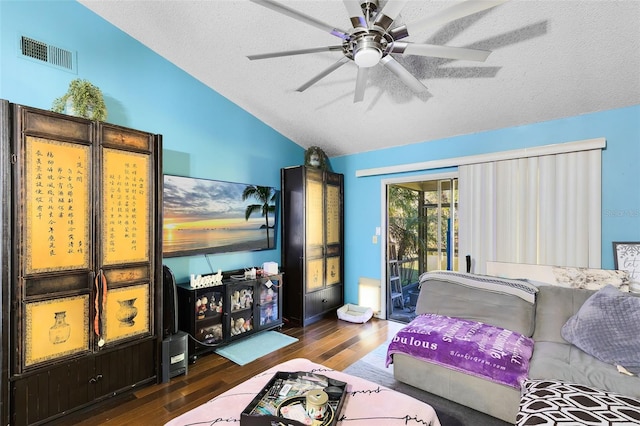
column 482, row 350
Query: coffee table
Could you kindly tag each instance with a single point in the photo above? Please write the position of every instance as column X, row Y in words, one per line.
column 367, row 403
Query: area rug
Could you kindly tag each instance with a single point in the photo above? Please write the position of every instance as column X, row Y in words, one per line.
column 246, row 350
column 371, row 367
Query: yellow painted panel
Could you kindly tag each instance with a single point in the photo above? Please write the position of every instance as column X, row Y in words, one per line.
column 126, row 207
column 333, row 270
column 127, row 312
column 333, row 214
column 58, row 179
column 314, row 207
column 315, row 274
column 56, row 328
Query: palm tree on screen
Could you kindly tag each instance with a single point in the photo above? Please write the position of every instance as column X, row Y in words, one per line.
column 267, row 198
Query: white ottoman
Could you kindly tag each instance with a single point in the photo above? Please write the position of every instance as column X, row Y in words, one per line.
column 367, row 403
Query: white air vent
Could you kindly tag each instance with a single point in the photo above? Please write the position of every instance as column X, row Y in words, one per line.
column 46, row 53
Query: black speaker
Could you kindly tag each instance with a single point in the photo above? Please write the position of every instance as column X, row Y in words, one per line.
column 175, row 356
column 170, row 303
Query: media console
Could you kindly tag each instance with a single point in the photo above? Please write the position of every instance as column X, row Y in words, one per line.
column 216, row 315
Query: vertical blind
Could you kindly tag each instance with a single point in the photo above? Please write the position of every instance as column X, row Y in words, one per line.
column 539, row 210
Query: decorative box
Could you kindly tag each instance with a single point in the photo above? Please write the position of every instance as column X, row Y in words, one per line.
column 282, row 401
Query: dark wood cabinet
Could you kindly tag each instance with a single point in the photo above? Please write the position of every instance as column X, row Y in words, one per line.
column 219, row 314
column 77, row 383
column 312, row 247
column 83, row 283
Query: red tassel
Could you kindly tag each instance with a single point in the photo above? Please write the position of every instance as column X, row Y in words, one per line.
column 104, row 297
column 96, row 320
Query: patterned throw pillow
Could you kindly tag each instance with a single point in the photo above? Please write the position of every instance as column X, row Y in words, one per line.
column 606, row 327
column 548, row 402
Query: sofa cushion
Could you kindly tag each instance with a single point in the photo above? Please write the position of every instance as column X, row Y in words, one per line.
column 606, row 327
column 554, row 306
column 499, row 302
column 463, row 388
column 567, row 363
column 557, row 403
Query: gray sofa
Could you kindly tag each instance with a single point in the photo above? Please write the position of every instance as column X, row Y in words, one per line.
column 542, row 319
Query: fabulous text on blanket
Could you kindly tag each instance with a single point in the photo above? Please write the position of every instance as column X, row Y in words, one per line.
column 476, row 348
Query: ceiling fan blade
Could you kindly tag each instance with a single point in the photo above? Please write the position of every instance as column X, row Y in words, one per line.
column 393, row 8
column 457, row 11
column 323, row 74
column 286, row 10
column 361, row 84
column 355, row 14
column 437, row 51
column 389, row 13
column 295, row 52
column 403, row 74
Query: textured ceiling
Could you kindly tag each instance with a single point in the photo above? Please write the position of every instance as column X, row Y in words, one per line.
column 551, row 59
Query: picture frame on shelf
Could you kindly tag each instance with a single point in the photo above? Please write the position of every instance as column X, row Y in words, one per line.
column 626, row 257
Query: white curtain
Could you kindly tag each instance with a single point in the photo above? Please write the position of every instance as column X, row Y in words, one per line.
column 539, row 210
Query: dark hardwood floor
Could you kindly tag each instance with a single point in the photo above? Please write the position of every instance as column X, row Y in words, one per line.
column 334, row 343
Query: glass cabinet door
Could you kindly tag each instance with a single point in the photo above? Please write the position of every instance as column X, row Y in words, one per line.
column 209, row 305
column 241, row 308
column 269, row 301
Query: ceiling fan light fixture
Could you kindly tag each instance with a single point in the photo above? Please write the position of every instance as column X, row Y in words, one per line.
column 367, row 57
column 367, row 50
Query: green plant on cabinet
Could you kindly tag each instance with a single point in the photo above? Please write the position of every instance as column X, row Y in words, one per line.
column 82, row 99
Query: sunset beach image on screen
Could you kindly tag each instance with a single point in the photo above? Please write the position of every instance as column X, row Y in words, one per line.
column 204, row 216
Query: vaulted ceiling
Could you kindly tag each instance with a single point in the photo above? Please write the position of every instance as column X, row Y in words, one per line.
column 550, row 59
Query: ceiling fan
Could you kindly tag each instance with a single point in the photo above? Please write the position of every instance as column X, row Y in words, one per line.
column 373, row 40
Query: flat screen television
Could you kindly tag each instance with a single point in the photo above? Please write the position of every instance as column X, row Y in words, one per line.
column 203, row 216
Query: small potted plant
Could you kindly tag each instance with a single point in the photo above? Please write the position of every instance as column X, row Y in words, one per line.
column 83, row 99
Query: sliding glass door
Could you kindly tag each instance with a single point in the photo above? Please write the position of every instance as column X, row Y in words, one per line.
column 421, row 236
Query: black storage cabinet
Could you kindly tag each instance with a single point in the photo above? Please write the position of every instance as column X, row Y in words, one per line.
column 312, row 246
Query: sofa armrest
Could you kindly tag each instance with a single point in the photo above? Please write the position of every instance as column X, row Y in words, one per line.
column 468, row 297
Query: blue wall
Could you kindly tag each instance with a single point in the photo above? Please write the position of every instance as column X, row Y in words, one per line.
column 620, row 179
column 204, row 134
column 207, row 136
